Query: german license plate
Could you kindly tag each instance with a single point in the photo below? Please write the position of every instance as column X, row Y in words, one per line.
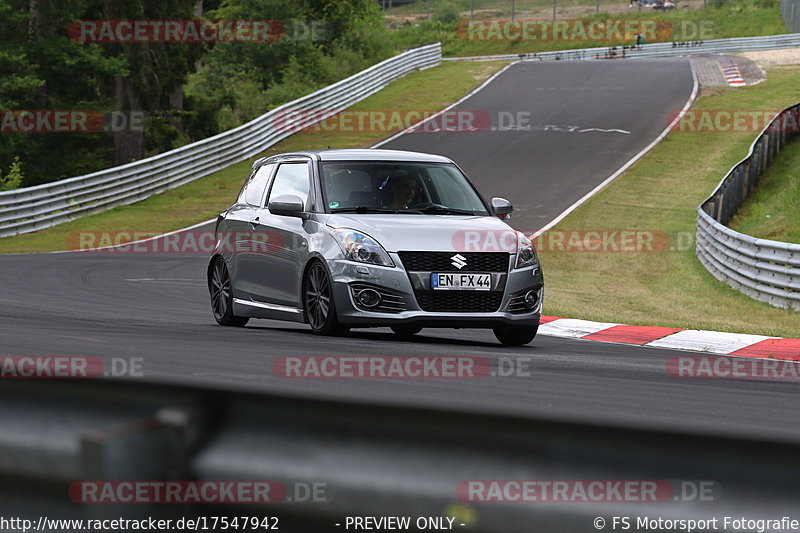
column 453, row 281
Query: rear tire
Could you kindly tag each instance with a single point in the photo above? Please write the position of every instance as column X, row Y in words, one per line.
column 406, row 331
column 219, row 285
column 320, row 309
column 515, row 335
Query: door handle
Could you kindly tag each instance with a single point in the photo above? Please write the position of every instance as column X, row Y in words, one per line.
column 255, row 222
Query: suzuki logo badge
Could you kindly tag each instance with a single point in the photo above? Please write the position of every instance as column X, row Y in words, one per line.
column 459, row 261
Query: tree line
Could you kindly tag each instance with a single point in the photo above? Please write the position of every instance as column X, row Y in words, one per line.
column 113, row 102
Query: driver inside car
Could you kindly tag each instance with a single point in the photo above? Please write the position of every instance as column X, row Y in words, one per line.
column 402, row 189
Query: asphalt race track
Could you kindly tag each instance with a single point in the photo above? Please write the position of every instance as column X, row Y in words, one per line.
column 155, row 307
column 559, row 129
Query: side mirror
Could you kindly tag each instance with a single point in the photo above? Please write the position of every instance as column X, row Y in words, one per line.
column 287, row 205
column 501, row 207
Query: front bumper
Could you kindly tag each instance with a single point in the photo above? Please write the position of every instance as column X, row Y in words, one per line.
column 346, row 273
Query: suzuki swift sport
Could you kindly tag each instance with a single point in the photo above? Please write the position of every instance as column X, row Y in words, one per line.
column 342, row 239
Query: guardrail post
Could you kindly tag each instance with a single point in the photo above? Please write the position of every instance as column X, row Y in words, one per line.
column 742, row 185
column 775, row 138
column 155, row 449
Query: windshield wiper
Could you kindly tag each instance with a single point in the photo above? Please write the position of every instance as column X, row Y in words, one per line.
column 447, row 211
column 363, row 209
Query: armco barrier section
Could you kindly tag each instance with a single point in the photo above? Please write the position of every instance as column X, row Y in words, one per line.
column 768, row 271
column 368, row 460
column 43, row 206
column 716, row 46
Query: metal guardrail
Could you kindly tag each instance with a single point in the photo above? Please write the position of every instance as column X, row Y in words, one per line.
column 790, row 11
column 373, row 460
column 765, row 270
column 43, row 206
column 716, row 46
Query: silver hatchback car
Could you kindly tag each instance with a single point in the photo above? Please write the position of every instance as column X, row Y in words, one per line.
column 342, row 239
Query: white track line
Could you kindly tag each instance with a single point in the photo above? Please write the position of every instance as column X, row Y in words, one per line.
column 448, row 108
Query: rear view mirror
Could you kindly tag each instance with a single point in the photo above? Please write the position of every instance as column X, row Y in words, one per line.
column 501, row 207
column 287, row 205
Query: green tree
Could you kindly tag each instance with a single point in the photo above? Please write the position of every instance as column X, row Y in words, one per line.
column 43, row 68
column 354, row 37
column 12, row 180
column 154, row 78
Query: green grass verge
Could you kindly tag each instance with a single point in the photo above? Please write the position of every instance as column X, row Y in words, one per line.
column 742, row 18
column 205, row 198
column 773, row 210
column 661, row 193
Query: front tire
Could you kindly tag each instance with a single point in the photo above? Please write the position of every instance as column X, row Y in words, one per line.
column 515, row 335
column 320, row 308
column 219, row 285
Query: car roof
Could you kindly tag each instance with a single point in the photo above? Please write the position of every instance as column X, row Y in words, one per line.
column 367, row 154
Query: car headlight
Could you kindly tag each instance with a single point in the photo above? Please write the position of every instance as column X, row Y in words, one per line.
column 360, row 247
column 526, row 253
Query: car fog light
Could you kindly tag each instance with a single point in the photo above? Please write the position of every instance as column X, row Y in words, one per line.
column 369, row 298
column 531, row 299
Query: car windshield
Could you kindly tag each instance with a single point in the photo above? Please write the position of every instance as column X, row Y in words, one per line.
column 410, row 188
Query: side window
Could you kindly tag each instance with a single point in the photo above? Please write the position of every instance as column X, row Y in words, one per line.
column 292, row 178
column 254, row 190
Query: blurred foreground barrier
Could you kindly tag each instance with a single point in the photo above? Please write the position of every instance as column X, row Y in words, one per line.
column 768, row 271
column 325, row 460
column 43, row 206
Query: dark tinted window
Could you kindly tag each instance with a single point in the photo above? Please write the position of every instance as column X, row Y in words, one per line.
column 398, row 186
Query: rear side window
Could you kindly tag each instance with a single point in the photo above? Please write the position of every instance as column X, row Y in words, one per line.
column 254, row 190
column 291, row 178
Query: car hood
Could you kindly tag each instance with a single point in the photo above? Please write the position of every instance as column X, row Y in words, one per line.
column 432, row 232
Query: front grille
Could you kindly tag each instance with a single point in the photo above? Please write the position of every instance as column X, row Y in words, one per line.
column 390, row 302
column 443, row 261
column 459, row 301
